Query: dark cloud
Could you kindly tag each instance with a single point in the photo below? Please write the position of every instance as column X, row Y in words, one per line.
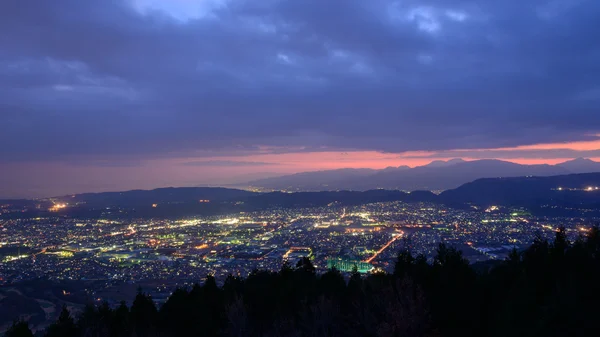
column 98, row 77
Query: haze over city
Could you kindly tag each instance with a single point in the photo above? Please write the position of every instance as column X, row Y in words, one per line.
column 115, row 95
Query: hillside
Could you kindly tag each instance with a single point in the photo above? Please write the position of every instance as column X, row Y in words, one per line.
column 170, row 195
column 575, row 190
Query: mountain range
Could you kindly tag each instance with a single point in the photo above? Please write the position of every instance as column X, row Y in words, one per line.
column 437, row 175
column 572, row 195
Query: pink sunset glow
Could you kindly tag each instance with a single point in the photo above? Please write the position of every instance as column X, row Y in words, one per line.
column 57, row 178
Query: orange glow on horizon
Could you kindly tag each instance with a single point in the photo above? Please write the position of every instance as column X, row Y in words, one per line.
column 317, row 161
column 48, row 179
column 296, row 161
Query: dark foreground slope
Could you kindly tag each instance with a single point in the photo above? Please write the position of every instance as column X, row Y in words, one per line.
column 551, row 289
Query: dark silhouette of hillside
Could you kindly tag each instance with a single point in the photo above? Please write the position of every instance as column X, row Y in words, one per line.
column 566, row 190
column 550, row 289
column 180, row 202
column 170, row 195
column 536, row 193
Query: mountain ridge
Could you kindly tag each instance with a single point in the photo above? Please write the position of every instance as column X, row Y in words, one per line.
column 577, row 192
column 437, row 175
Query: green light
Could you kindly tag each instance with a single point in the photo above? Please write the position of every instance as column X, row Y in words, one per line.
column 348, row 265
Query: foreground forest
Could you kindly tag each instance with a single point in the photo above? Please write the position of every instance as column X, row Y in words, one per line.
column 551, row 289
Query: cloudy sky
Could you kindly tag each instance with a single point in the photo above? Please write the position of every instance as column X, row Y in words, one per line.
column 117, row 94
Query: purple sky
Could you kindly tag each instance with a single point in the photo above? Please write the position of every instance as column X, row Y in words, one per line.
column 117, row 94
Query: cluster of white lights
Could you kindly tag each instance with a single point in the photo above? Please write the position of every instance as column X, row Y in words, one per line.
column 588, row 189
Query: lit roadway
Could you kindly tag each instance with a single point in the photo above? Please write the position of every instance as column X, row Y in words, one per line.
column 394, row 238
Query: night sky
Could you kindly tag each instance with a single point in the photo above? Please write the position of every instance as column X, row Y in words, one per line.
column 100, row 95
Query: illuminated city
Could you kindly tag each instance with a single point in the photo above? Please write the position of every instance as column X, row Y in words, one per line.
column 170, row 253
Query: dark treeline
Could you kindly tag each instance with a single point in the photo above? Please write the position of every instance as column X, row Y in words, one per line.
column 551, row 289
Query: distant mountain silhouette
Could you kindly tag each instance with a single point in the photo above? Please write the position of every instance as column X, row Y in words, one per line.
column 441, row 163
column 395, row 168
column 580, row 165
column 316, row 181
column 438, row 175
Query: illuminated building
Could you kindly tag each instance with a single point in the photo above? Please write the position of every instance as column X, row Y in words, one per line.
column 348, row 265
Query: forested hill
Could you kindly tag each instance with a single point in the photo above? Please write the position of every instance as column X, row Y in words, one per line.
column 565, row 190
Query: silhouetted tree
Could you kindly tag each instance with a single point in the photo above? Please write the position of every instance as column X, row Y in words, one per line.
column 355, row 284
column 332, row 284
column 19, row 329
column 143, row 315
column 64, row 327
column 404, row 264
column 451, row 292
column 120, row 325
column 92, row 323
column 304, row 264
column 175, row 313
column 212, row 308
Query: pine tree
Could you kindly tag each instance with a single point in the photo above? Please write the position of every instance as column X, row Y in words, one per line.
column 64, row 327
column 19, row 329
column 144, row 315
